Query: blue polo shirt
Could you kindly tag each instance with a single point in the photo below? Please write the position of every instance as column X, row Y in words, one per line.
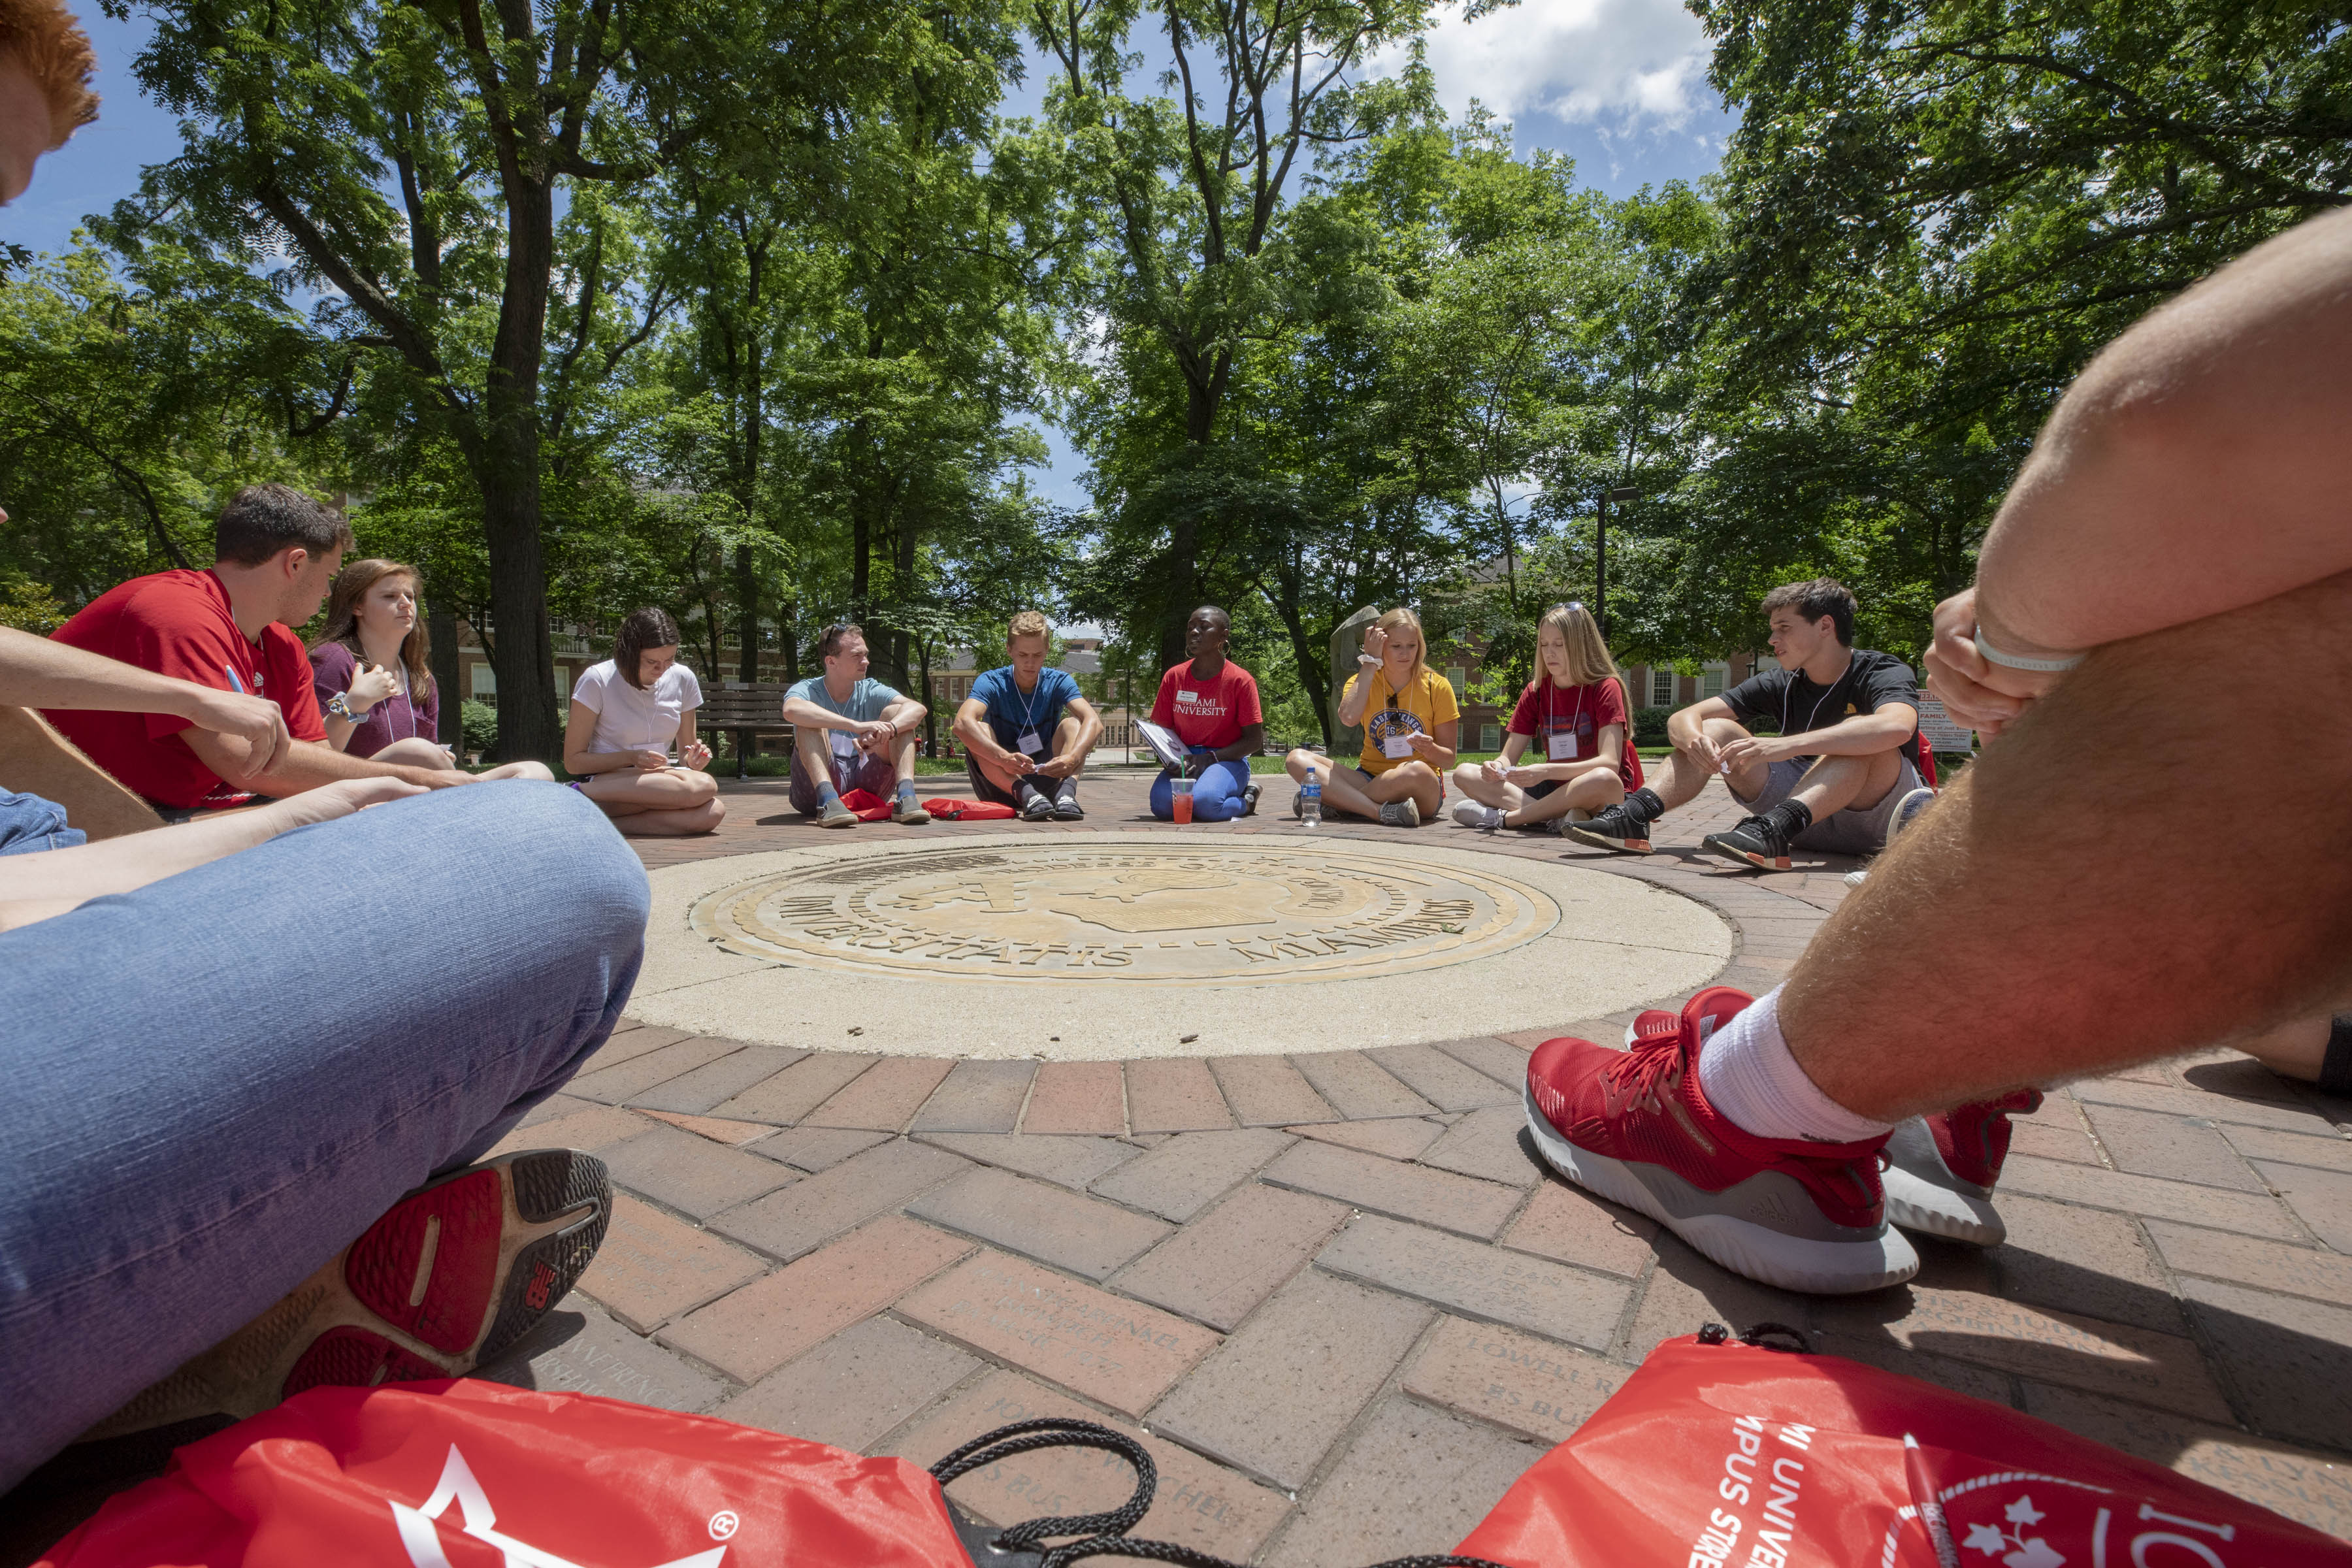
column 1011, row 710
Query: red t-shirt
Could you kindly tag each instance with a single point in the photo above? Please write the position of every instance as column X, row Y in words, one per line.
column 179, row 623
column 1583, row 711
column 1211, row 713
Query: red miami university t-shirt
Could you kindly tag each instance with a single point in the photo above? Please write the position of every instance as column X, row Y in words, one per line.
column 178, row 623
column 1211, row 713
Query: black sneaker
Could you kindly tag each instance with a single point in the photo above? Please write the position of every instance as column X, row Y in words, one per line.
column 1249, row 798
column 1627, row 832
column 1756, row 841
column 1037, row 806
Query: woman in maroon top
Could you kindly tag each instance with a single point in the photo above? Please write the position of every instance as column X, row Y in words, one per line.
column 371, row 673
column 1573, row 716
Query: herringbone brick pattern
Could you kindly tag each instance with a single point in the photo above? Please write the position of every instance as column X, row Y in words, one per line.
column 1337, row 1294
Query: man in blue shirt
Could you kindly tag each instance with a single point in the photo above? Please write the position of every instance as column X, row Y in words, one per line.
column 1025, row 730
column 850, row 733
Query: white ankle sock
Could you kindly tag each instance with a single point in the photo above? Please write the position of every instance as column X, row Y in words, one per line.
column 1747, row 1073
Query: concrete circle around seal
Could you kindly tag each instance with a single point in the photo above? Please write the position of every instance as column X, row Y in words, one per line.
column 1100, row 946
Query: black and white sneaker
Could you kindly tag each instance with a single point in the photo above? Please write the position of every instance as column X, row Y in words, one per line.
column 1250, row 792
column 1627, row 832
column 1756, row 841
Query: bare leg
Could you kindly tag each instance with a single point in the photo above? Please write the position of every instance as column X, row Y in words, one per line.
column 1471, row 779
column 1677, row 780
column 1002, row 777
column 2071, row 906
column 673, row 824
column 659, row 802
column 814, row 749
column 420, row 753
column 2293, row 1049
column 1592, row 791
column 1344, row 789
column 1833, row 784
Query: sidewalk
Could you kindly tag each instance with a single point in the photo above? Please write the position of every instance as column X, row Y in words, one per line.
column 1336, row 1289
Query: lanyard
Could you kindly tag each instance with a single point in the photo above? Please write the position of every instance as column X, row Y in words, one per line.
column 1029, row 704
column 1550, row 687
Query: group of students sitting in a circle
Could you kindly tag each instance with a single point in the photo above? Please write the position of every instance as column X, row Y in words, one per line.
column 1846, row 771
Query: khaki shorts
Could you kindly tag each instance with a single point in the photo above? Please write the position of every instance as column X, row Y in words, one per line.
column 1861, row 830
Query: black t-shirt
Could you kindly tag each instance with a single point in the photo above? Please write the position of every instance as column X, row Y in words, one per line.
column 1785, row 697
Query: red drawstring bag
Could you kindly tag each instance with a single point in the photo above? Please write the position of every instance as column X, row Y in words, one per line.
column 956, row 808
column 1719, row 1454
column 865, row 805
column 467, row 1474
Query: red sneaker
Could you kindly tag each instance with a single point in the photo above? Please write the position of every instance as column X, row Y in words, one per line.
column 1941, row 1168
column 443, row 1281
column 1633, row 1127
column 1652, row 1023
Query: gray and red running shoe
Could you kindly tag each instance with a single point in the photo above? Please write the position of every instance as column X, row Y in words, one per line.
column 1633, row 1127
column 1941, row 1168
column 443, row 1281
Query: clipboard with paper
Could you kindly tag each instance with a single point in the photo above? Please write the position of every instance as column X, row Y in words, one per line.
column 1162, row 742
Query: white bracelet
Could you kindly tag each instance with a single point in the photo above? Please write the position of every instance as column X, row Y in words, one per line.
column 2015, row 661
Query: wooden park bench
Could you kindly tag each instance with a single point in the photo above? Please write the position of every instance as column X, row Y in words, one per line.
column 746, row 708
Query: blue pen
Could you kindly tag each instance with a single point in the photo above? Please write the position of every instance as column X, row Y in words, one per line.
column 234, row 684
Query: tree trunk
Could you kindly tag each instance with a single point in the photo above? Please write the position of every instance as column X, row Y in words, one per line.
column 441, row 632
column 746, row 604
column 524, row 656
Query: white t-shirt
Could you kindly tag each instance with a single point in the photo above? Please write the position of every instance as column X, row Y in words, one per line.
column 633, row 718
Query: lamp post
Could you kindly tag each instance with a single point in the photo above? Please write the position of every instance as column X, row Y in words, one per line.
column 1601, row 554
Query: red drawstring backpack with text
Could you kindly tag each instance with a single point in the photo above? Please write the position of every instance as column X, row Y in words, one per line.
column 1724, row 1454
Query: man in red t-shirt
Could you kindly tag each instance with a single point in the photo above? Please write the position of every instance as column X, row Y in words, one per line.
column 226, row 628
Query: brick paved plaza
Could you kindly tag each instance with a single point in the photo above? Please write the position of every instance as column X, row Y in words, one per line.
column 1338, row 1292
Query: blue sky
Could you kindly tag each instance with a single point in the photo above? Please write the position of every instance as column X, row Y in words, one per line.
column 1618, row 85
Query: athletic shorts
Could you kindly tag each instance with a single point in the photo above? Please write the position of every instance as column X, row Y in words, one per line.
column 1363, row 780
column 1859, row 831
column 985, row 787
column 861, row 770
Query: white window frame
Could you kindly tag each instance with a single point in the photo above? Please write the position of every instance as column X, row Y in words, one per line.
column 1719, row 672
column 1661, row 673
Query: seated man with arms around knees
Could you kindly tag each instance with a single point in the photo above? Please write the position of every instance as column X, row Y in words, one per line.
column 1026, row 730
column 850, row 733
column 2181, row 508
column 226, row 627
column 1412, row 723
column 263, row 1116
column 1839, row 778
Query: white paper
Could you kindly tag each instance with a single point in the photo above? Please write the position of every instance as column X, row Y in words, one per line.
column 1396, row 746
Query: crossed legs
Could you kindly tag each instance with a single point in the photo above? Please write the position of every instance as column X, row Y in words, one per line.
column 420, row 753
column 1362, row 795
column 2074, row 906
column 1595, row 790
column 659, row 803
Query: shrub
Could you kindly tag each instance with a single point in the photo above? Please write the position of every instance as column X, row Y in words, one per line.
column 1649, row 726
column 479, row 722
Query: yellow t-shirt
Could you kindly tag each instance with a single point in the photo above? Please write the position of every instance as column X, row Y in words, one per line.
column 1426, row 701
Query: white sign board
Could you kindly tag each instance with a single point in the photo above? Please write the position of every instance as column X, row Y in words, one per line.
column 1942, row 734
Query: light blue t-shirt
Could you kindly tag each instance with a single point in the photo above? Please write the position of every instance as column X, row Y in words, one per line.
column 1012, row 713
column 866, row 700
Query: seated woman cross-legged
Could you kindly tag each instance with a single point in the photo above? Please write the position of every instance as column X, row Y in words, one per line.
column 373, row 672
column 626, row 713
column 1573, row 713
column 1212, row 705
column 1412, row 722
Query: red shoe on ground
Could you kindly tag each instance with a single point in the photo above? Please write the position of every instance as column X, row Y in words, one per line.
column 1941, row 1168
column 1632, row 1127
column 445, row 1279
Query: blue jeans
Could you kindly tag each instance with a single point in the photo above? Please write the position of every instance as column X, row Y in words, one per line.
column 29, row 824
column 1216, row 790
column 217, row 1082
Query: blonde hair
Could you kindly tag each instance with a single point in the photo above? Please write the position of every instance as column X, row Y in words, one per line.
column 343, row 600
column 1400, row 617
column 1028, row 624
column 55, row 51
column 1588, row 663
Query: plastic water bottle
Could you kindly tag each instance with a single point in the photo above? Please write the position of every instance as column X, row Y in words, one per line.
column 1310, row 800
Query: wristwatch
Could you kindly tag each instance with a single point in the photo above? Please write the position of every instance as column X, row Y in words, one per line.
column 338, row 706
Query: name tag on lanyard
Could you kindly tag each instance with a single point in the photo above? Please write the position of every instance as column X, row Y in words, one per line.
column 1561, row 746
column 1032, row 743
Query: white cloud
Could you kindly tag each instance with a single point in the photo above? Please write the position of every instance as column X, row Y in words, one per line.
column 1625, row 64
